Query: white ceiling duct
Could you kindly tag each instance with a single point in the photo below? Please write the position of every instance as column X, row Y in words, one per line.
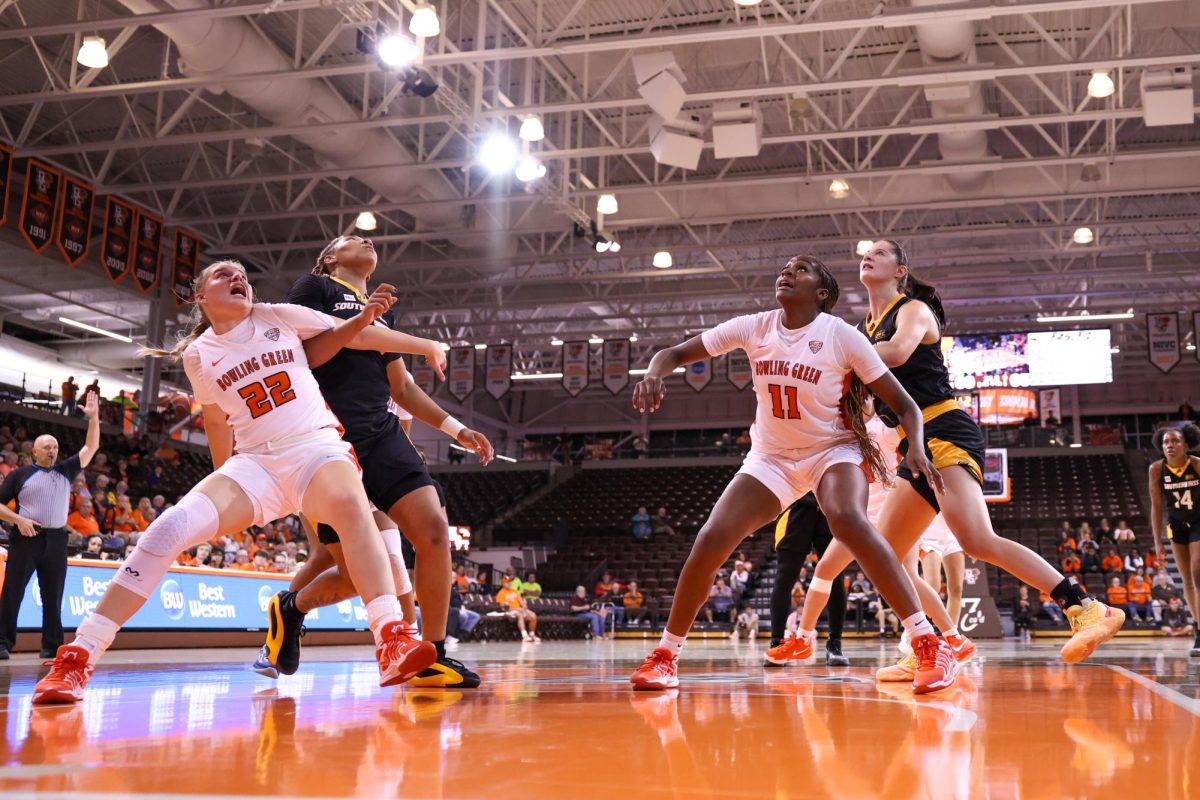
column 216, row 47
column 954, row 41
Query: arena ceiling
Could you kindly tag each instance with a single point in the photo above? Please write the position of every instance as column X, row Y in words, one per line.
column 264, row 128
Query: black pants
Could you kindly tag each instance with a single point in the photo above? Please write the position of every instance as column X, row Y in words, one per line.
column 46, row 554
column 802, row 529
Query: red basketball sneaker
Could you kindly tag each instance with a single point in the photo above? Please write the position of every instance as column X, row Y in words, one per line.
column 400, row 656
column 936, row 665
column 68, row 676
column 660, row 670
column 963, row 648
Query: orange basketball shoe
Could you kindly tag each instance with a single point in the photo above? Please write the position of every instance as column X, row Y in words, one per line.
column 68, row 677
column 660, row 670
column 1090, row 628
column 936, row 666
column 795, row 649
column 963, row 648
column 400, row 656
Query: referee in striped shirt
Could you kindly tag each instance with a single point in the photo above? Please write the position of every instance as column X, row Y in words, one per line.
column 43, row 494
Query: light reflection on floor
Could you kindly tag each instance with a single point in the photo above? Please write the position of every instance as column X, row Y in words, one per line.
column 558, row 720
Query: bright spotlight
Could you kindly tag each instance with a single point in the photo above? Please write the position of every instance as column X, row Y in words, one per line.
column 93, row 53
column 607, row 204
column 365, row 221
column 396, row 50
column 1101, row 84
column 839, row 189
column 498, row 153
column 530, row 169
column 662, row 259
column 424, row 21
column 531, row 129
column 1083, row 236
column 863, row 246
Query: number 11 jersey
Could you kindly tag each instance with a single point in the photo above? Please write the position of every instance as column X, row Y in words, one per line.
column 800, row 377
column 259, row 376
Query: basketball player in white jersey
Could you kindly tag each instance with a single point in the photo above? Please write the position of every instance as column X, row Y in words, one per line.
column 808, row 435
column 837, row 557
column 248, row 370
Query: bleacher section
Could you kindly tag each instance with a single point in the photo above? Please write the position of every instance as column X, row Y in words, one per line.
column 475, row 496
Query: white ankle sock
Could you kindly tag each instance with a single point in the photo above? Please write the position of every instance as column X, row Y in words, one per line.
column 917, row 625
column 950, row 631
column 806, row 635
column 95, row 634
column 670, row 641
column 380, row 612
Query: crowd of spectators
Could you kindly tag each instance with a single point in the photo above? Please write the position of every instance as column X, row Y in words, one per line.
column 645, row 527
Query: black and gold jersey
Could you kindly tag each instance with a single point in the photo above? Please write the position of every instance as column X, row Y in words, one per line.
column 1181, row 493
column 923, row 375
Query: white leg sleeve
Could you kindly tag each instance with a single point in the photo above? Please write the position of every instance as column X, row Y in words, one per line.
column 391, row 542
column 192, row 521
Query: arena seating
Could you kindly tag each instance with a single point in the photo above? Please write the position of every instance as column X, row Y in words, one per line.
column 555, row 620
column 474, row 497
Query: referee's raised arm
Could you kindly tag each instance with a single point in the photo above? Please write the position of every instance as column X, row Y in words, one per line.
column 91, row 408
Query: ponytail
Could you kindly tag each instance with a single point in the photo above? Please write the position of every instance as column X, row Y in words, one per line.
column 912, row 286
column 198, row 321
column 854, row 411
column 321, row 268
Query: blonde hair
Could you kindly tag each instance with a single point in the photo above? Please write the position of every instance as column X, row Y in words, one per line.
column 199, row 322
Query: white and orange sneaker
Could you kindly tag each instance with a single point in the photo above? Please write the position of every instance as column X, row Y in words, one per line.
column 936, row 665
column 1090, row 628
column 963, row 648
column 401, row 656
column 68, row 677
column 795, row 649
column 660, row 670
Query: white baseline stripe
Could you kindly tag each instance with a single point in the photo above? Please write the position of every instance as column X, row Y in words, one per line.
column 1165, row 692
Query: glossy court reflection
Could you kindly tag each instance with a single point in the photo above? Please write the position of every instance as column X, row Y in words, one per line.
column 561, row 722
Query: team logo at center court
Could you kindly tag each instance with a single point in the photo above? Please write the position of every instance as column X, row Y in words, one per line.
column 272, row 334
column 815, row 347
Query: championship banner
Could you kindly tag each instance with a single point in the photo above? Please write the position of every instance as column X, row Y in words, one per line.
column 1050, row 404
column 461, row 377
column 6, row 159
column 147, row 250
column 423, row 375
column 40, row 204
column 698, row 375
column 497, row 372
column 575, row 367
column 615, row 374
column 116, row 244
column 183, row 266
column 1162, row 334
column 737, row 369
column 74, row 231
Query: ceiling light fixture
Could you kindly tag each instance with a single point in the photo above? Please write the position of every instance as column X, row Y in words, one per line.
column 643, row 371
column 633, row 337
column 481, row 347
column 1083, row 236
column 396, row 50
column 595, row 340
column 529, row 169
column 839, row 189
column 94, row 329
column 531, row 129
column 498, row 153
column 424, row 21
column 747, row 3
column 538, row 376
column 366, row 221
column 1084, row 317
column 863, row 246
column 93, row 53
column 1101, row 85
column 556, row 342
column 607, row 204
column 662, row 260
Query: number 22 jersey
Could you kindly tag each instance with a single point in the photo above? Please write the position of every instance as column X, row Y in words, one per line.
column 800, row 377
column 258, row 374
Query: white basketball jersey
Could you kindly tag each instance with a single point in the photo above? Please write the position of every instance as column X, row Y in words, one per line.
column 888, row 441
column 800, row 377
column 259, row 376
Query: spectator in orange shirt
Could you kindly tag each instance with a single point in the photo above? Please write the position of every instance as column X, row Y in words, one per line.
column 1051, row 608
column 83, row 521
column 515, row 608
column 636, row 607
column 123, row 519
column 1065, row 542
column 1071, row 565
column 1139, row 595
column 1118, row 595
column 261, row 562
column 460, row 578
column 1112, row 562
column 10, row 463
column 242, row 561
column 143, row 515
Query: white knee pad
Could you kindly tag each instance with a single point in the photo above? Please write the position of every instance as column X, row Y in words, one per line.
column 821, row 585
column 193, row 520
column 391, row 543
